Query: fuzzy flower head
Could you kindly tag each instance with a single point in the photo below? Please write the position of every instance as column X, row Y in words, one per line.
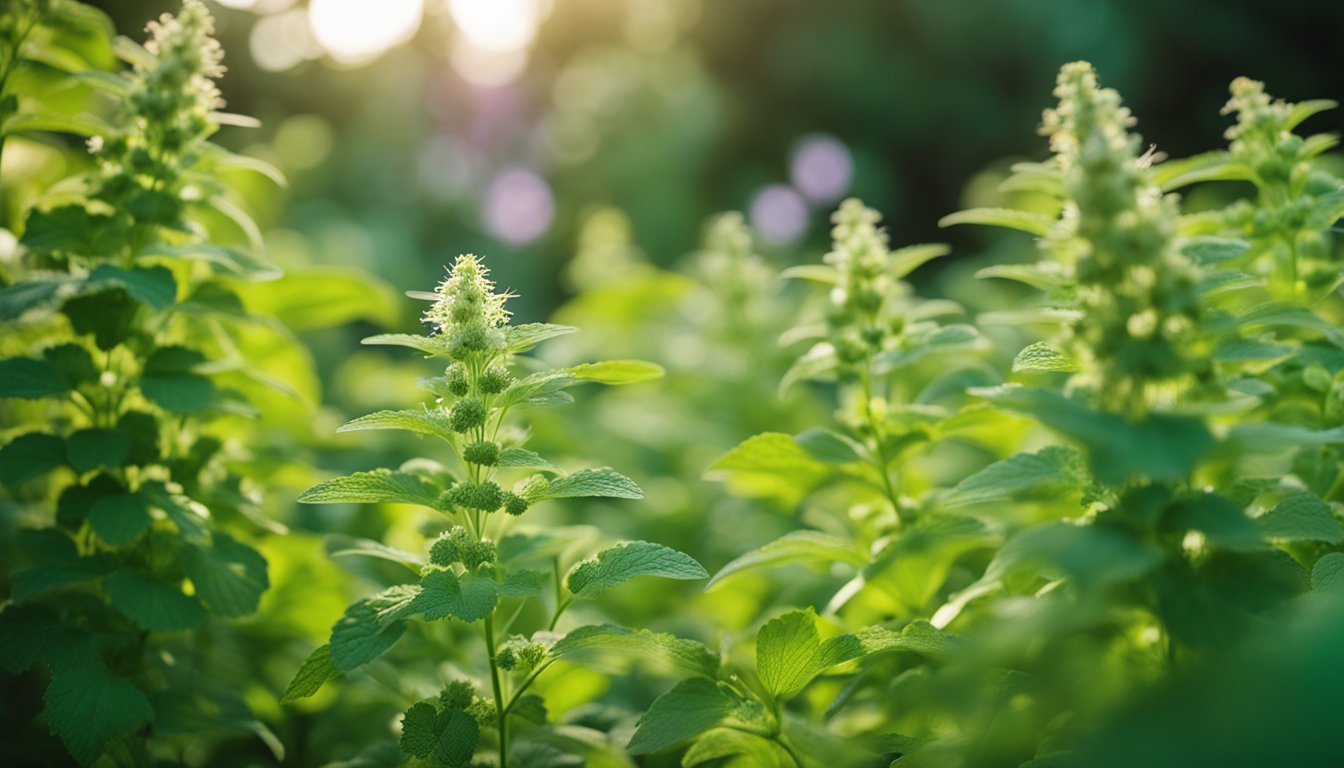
column 468, row 313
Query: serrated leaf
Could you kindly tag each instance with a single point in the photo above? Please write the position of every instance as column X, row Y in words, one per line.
column 420, row 422
column 1091, row 555
column 1026, row 221
column 719, row 743
column 88, row 707
column 1041, row 356
column 120, row 518
column 153, row 605
column 90, row 449
column 231, row 261
column 22, row 296
column 617, row 371
column 381, row 486
column 521, row 338
column 684, row 656
column 430, row 345
column 525, row 583
column 470, row 597
column 346, row 546
column 828, row 446
column 316, row 670
column 1218, row 165
column 768, row 452
column 228, row 575
column 1328, row 573
column 371, row 626
column 1302, row 517
column 625, row 561
column 57, row 563
column 450, row 737
column 794, row 547
column 72, row 363
column 819, row 362
column 28, row 456
column 602, row 482
column 691, row 708
column 523, row 458
column 788, row 652
column 29, row 379
column 168, row 380
column 1050, row 470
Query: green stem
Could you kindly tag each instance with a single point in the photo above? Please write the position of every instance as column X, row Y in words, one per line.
column 518, row 694
column 879, row 444
column 499, row 692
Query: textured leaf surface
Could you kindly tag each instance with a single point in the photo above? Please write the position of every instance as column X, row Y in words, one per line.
column 120, row 518
column 601, row 482
column 376, row 487
column 520, row 338
column 523, row 458
column 30, row 455
column 371, row 626
column 788, row 653
column 421, row 422
column 685, row 656
column 1035, row 223
column 153, row 605
column 1302, row 517
column 1050, row 470
column 317, row 669
column 450, row 736
column 1041, row 356
column 470, row 597
column 90, row 449
column 691, row 708
column 617, row 371
column 229, row 575
column 89, row 707
column 627, row 560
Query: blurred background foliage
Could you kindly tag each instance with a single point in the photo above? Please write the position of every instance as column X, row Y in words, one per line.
column 580, row 146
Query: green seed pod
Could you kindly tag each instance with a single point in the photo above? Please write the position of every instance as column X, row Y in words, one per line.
column 478, row 553
column 466, row 415
column 458, row 694
column 484, row 453
column 456, row 376
column 483, row 496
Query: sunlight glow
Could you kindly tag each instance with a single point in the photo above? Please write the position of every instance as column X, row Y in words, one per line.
column 497, row 25
column 354, row 31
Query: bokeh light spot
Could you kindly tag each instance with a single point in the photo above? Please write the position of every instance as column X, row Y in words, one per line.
column 822, row 168
column 779, row 213
column 282, row 41
column 519, row 206
column 355, row 31
column 497, row 25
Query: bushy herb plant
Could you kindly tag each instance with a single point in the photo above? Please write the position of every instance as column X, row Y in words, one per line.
column 476, row 569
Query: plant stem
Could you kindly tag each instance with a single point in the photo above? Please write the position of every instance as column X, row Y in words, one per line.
column 879, row 445
column 499, row 693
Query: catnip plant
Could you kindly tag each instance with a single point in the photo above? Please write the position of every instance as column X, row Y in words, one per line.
column 474, row 571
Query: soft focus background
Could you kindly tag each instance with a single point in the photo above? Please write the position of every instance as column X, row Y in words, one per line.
column 416, row 129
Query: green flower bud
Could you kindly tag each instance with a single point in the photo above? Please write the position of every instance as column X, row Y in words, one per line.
column 484, row 453
column 466, row 415
column 458, row 694
column 456, row 377
column 514, row 504
column 519, row 654
column 483, row 712
column 496, row 380
column 478, row 553
column 483, row 496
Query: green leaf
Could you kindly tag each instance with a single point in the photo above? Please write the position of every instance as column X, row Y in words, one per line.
column 228, row 575
column 794, row 547
column 629, row 559
column 817, row 273
column 1034, row 223
column 420, row 422
column 169, row 383
column 523, row 458
column 1267, row 437
column 449, row 736
column 1277, row 313
column 1218, row 165
column 57, row 563
column 1092, row 555
column 1041, row 356
column 72, row 363
column 818, row 363
column 770, row 453
column 903, row 261
column 226, row 260
column 1305, row 109
column 524, row 583
column 788, row 652
column 71, row 229
column 1302, row 517
column 317, row 669
column 22, row 296
column 120, row 518
column 345, row 546
column 688, row 710
column 1328, row 573
column 371, row 626
column 90, row 449
column 153, row 605
column 79, row 125
column 28, row 456
column 152, row 286
column 828, row 446
column 88, row 707
column 521, row 338
column 1044, row 275
column 584, row 644
column 1051, row 471
column 1162, row 446
column 108, row 315
column 430, row 345
column 1222, row 521
column 722, row 743
column 470, row 597
column 617, row 371
column 602, row 482
column 1213, row 250
column 30, row 379
column 381, row 486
